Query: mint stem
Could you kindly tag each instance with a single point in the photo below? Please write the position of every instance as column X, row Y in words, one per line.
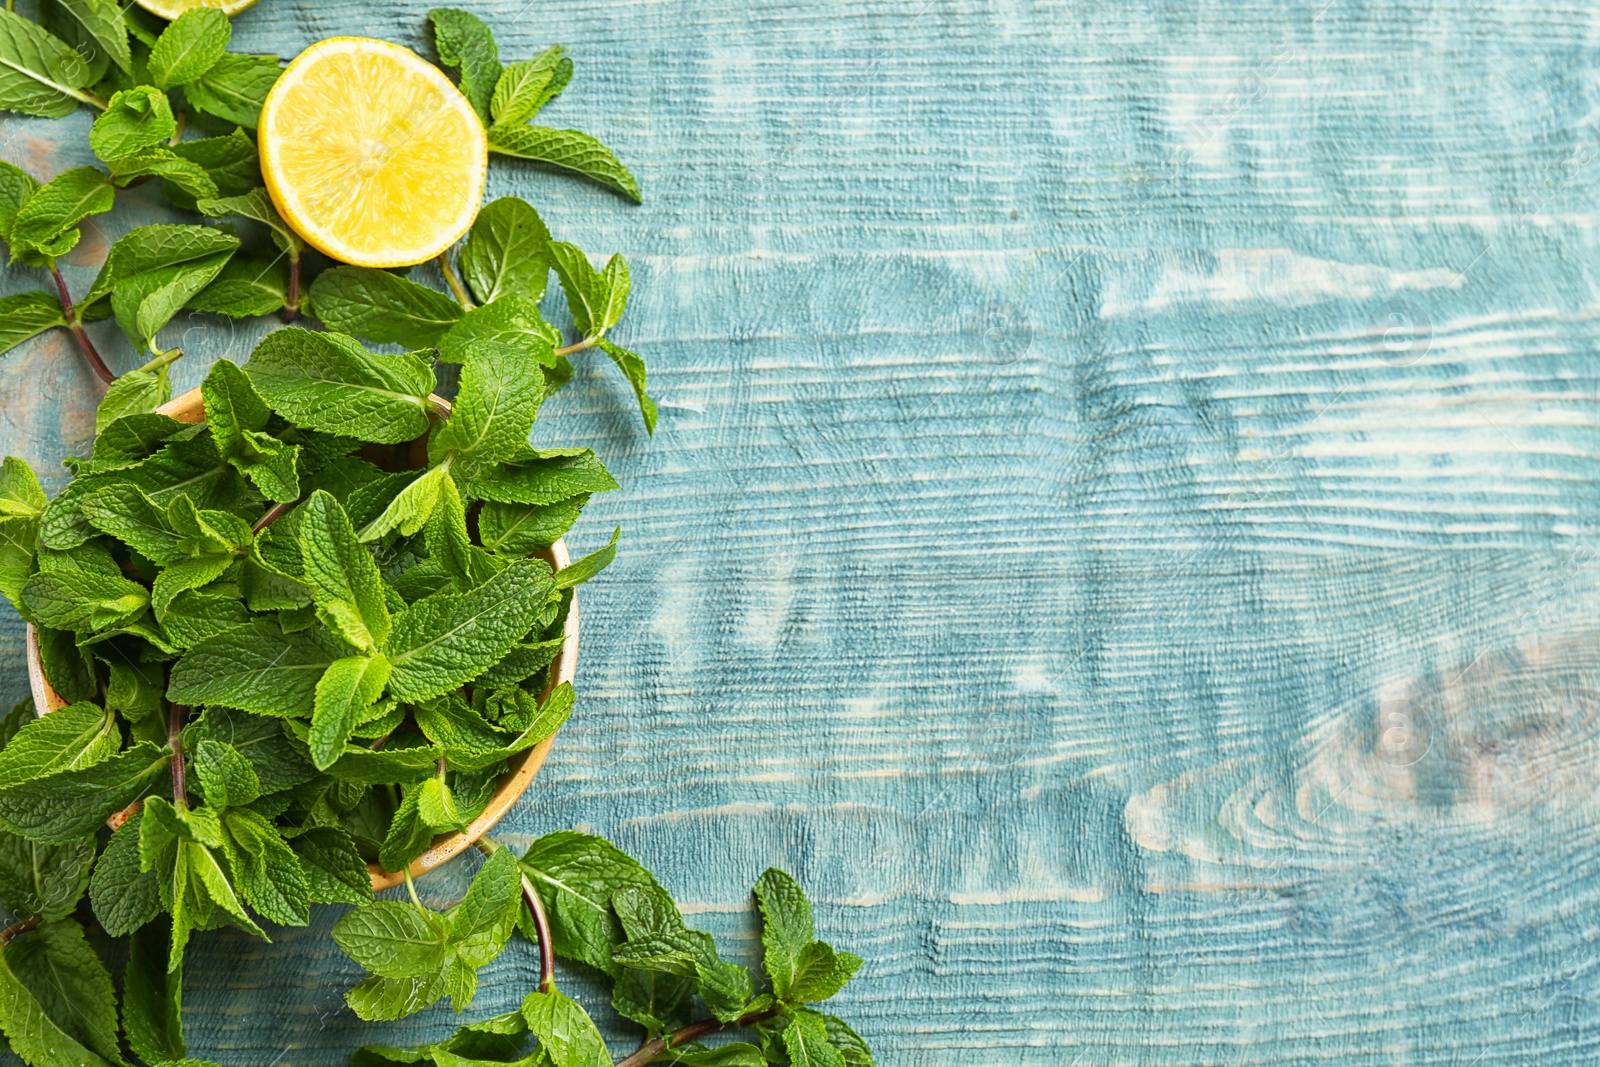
column 587, row 342
column 274, row 513
column 456, row 288
column 180, row 782
column 291, row 301
column 651, row 1049
column 75, row 324
column 21, row 926
column 541, row 921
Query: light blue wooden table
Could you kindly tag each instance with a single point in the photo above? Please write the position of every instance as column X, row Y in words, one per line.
column 1122, row 529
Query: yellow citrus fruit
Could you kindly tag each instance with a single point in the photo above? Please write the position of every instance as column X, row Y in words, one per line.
column 371, row 154
column 171, row 9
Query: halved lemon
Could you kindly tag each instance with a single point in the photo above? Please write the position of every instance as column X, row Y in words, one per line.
column 171, row 9
column 372, row 154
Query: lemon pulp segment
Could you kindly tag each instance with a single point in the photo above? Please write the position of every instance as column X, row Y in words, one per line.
column 371, row 153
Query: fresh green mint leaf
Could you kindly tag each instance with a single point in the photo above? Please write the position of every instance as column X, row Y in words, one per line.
column 334, row 869
column 56, row 964
column 577, row 875
column 544, row 476
column 654, row 1000
column 512, row 320
column 633, row 369
column 72, row 805
column 467, row 46
column 278, row 764
column 64, row 201
column 268, row 872
column 122, row 510
column 258, row 668
column 256, row 205
column 237, row 417
column 189, row 47
column 39, row 74
column 234, row 89
column 150, row 999
column 92, row 28
column 133, row 119
column 228, row 779
column 83, row 603
column 27, row 314
column 849, row 1043
column 21, row 496
column 494, row 411
column 820, row 972
column 348, row 688
column 394, row 939
column 31, row 1030
column 72, row 738
column 328, row 382
column 343, row 577
column 523, row 529
column 123, row 894
column 521, row 90
column 382, row 307
column 138, row 392
column 145, row 303
column 506, row 251
column 565, row 1032
column 150, row 249
column 450, row 547
column 376, row 998
column 67, row 668
column 412, row 507
column 806, row 1041
column 581, row 570
column 567, row 150
column 594, row 306
column 159, row 161
column 16, row 185
column 43, row 880
column 448, row 639
column 731, row 1054
column 249, row 286
column 786, row 926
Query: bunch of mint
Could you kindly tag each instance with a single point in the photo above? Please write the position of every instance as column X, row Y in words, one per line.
column 151, row 82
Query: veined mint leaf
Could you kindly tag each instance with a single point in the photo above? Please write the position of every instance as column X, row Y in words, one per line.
column 328, row 382
column 465, row 44
column 588, row 295
column 69, row 671
column 806, row 1041
column 133, row 119
column 43, row 880
column 506, row 251
column 565, row 1031
column 633, row 369
column 64, row 201
column 71, row 805
column 257, row 205
column 123, row 511
column 67, row 979
column 234, row 88
column 513, row 320
column 189, row 47
column 820, row 971
column 92, row 28
column 494, row 411
column 521, row 663
column 257, row 668
column 447, row 639
column 16, row 185
column 268, row 872
column 731, row 1054
column 21, row 496
column 577, row 875
column 228, row 779
column 382, row 307
column 151, row 994
column 123, row 894
column 39, row 74
column 237, row 417
column 436, row 807
column 391, row 998
column 334, row 870
column 159, row 161
column 581, row 570
column 523, row 87
column 25, row 315
column 348, row 688
column 138, row 392
column 145, row 303
column 541, row 476
column 164, row 822
column 411, row 508
column 483, row 921
column 231, row 162
column 523, row 529
column 84, row 603
column 77, row 736
column 249, row 286
column 450, row 546
column 33, row 1033
column 149, row 249
column 394, row 939
column 786, row 926
column 343, row 577
column 567, row 150
column 278, row 765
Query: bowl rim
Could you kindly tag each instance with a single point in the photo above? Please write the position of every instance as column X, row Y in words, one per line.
column 189, row 407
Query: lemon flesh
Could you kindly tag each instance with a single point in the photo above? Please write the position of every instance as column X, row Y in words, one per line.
column 171, row 9
column 371, row 154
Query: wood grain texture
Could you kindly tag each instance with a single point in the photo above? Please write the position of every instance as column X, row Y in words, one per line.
column 1122, row 528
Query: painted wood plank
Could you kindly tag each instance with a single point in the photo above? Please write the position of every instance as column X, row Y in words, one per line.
column 1122, row 526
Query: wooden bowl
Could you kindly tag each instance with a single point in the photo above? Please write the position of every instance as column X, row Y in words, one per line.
column 191, row 408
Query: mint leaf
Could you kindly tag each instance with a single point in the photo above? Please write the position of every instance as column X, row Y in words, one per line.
column 328, row 382
column 505, row 253
column 596, row 299
column 92, row 28
column 411, row 508
column 483, row 921
column 64, row 201
column 159, row 161
column 150, row 999
column 133, row 119
column 806, row 1041
column 83, row 602
column 523, row 529
column 494, row 411
column 581, row 570
column 820, row 972
column 544, row 476
column 232, row 162
column 348, row 688
column 27, row 314
column 257, row 205
column 382, row 307
column 39, row 75
column 234, row 88
column 633, row 369
column 513, row 320
column 268, row 872
column 123, row 894
column 567, row 150
column 565, row 1032
column 335, row 872
column 74, row 737
column 145, row 303
column 258, row 668
column 465, row 45
column 189, row 47
column 16, row 185
column 226, row 777
column 390, row 998
column 43, row 880
column 786, row 926
column 250, row 285
column 21, row 496
column 149, row 249
column 71, row 805
column 33, row 1033
column 277, row 763
column 731, row 1054
column 237, row 417
column 524, row 87
column 450, row 548
column 138, row 392
column 343, row 577
column 848, row 1042
column 394, row 939
column 56, row 964
column 447, row 639
column 577, row 875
